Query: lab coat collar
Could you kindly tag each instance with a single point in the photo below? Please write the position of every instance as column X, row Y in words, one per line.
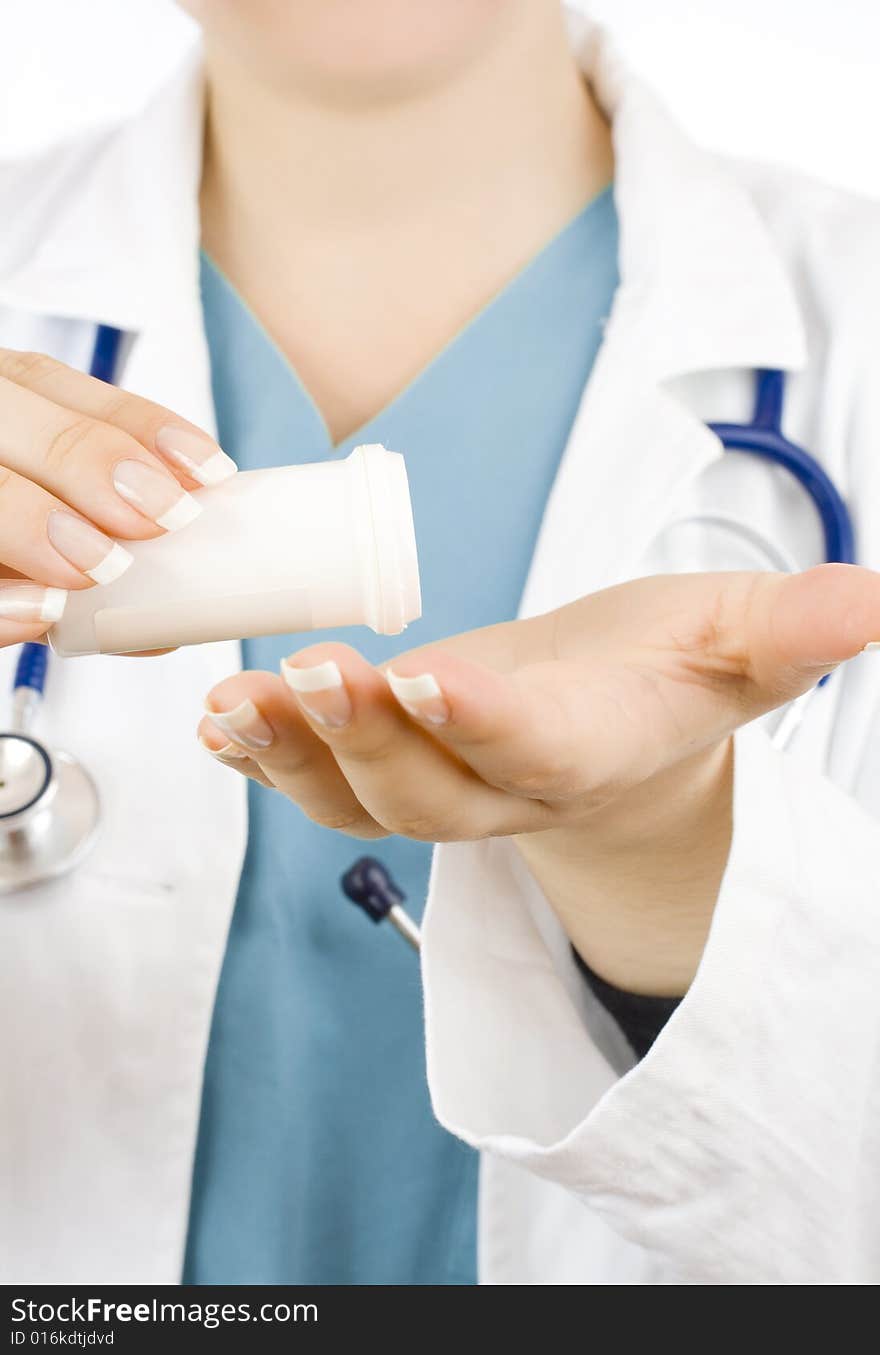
column 702, row 285
column 102, row 230
column 106, row 228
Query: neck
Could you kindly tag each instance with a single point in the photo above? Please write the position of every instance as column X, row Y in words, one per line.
column 339, row 218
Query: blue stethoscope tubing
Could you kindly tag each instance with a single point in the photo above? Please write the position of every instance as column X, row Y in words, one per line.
column 764, row 437
column 33, row 659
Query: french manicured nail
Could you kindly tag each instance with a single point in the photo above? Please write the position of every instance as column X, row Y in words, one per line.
column 30, row 602
column 86, row 548
column 420, row 696
column 320, row 691
column 228, row 753
column 243, row 725
column 154, row 494
column 196, row 454
column 875, row 644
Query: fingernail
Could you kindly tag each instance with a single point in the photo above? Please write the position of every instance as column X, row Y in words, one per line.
column 420, row 696
column 86, row 548
column 30, row 602
column 228, row 753
column 320, row 691
column 875, row 644
column 244, row 725
column 196, row 454
column 154, row 494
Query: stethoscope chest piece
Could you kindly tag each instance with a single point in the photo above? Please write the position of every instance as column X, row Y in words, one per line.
column 49, row 812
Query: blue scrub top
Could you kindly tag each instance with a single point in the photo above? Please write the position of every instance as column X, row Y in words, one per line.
column 319, row 1160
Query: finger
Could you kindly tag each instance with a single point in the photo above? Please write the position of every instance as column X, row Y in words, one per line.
column 190, row 453
column 568, row 736
column 229, row 754
column 93, row 466
column 804, row 625
column 409, row 783
column 649, row 677
column 515, row 731
column 27, row 610
column 256, row 713
column 681, row 662
column 43, row 540
column 681, row 665
column 770, row 635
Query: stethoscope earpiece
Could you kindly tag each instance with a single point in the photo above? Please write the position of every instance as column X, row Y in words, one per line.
column 368, row 884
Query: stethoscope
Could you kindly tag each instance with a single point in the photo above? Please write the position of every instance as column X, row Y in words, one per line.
column 49, row 805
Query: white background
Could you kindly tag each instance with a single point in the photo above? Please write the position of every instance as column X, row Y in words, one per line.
column 796, row 81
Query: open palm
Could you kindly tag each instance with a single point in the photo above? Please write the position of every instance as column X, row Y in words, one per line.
column 533, row 724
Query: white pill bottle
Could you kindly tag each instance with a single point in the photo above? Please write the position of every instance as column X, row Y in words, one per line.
column 295, row 548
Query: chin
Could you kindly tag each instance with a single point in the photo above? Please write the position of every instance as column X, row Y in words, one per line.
column 363, row 46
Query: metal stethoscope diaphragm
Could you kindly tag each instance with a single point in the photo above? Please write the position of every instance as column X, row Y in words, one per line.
column 49, row 805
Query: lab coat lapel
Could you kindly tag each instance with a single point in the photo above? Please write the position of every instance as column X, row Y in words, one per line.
column 101, row 229
column 631, row 450
column 701, row 288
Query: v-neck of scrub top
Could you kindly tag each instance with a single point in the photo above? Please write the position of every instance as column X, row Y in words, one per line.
column 319, row 1160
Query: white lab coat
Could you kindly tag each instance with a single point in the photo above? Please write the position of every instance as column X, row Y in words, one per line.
column 744, row 1148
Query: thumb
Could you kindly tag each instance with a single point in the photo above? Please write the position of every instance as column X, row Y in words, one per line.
column 802, row 626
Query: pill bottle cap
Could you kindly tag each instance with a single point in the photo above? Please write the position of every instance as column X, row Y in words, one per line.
column 395, row 599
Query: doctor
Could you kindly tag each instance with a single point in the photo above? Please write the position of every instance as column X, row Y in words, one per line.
column 402, row 229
